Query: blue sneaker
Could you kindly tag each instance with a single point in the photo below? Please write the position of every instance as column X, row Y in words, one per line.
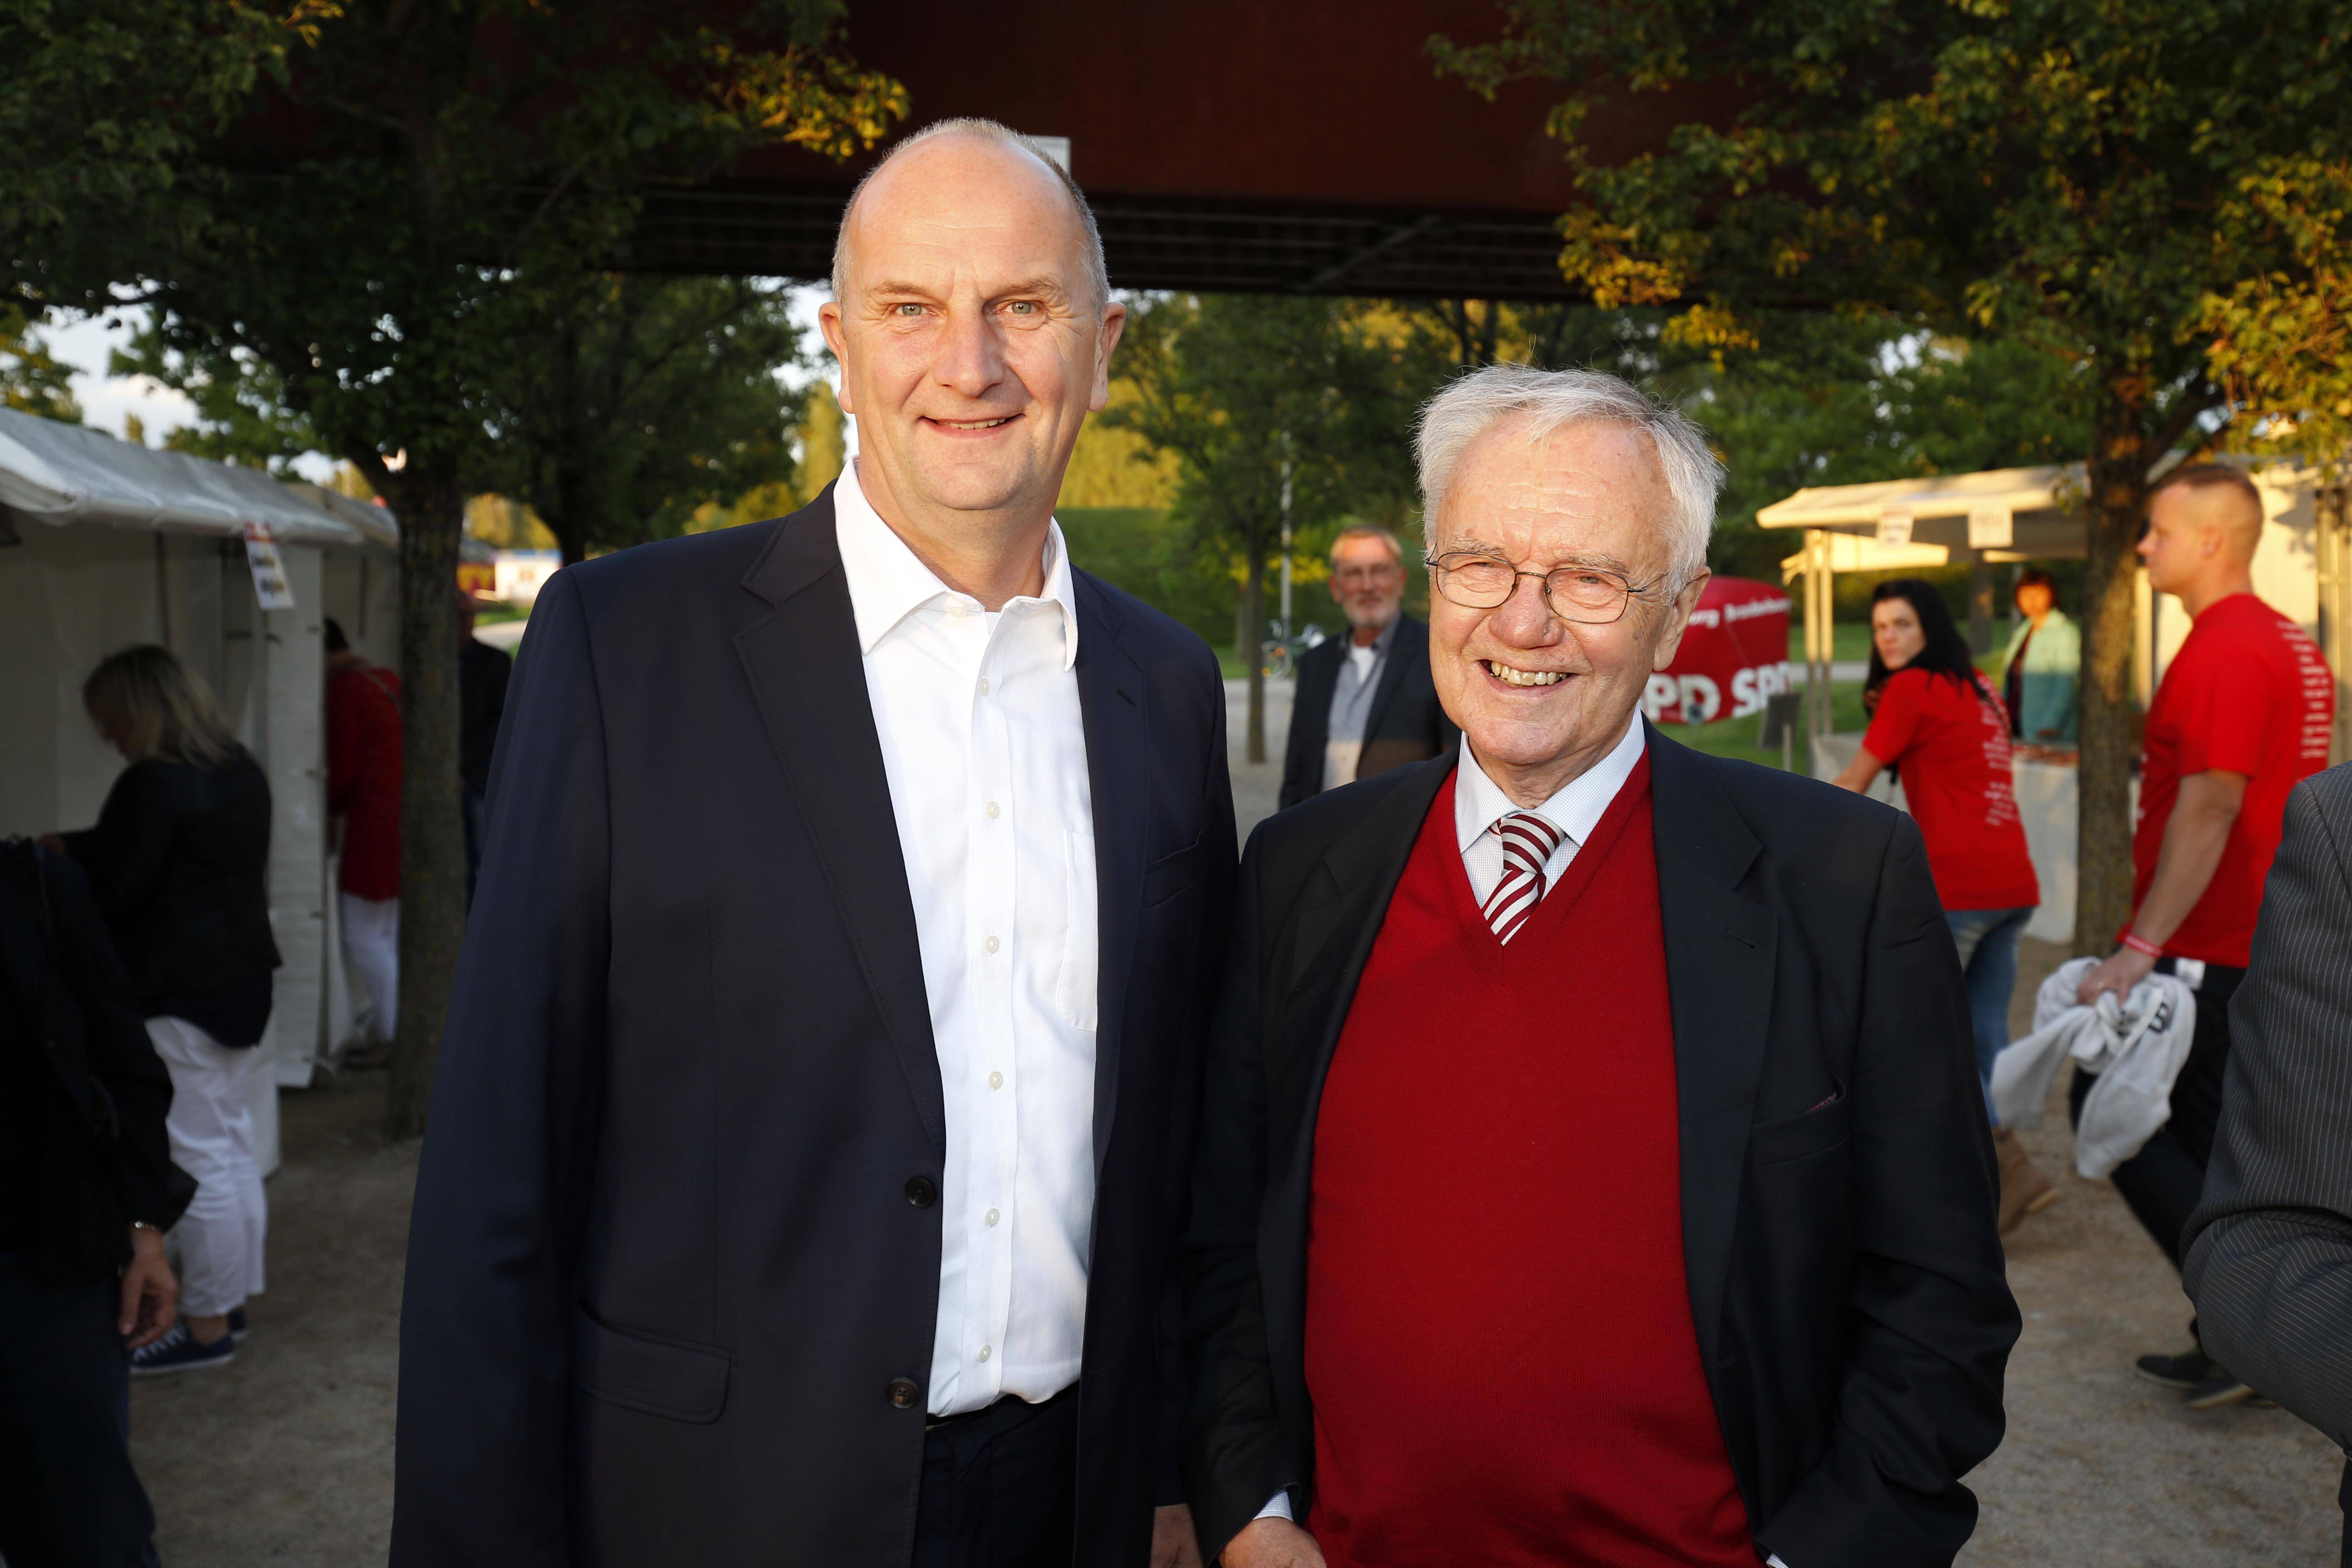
column 178, row 1351
column 236, row 1325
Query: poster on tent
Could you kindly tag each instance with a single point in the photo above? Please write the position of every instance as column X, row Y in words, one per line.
column 1733, row 658
column 269, row 585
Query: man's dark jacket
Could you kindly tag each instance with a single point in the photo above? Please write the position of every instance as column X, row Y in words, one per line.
column 1404, row 724
column 675, row 1251
column 1837, row 1174
column 82, row 1094
column 483, row 672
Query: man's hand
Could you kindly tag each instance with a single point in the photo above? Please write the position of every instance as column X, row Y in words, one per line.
column 1172, row 1543
column 1272, row 1542
column 151, row 1296
column 2118, row 972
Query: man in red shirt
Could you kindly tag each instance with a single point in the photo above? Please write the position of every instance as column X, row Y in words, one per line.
column 2242, row 717
column 1592, row 1165
column 364, row 790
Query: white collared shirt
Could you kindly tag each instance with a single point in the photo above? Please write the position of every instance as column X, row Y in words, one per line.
column 1479, row 802
column 984, row 746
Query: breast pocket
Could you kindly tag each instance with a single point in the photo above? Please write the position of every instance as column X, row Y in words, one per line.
column 1076, row 986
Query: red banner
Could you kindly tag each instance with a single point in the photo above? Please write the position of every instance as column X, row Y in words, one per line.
column 1735, row 655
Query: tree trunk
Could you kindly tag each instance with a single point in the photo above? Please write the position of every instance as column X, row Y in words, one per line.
column 2110, row 740
column 1253, row 612
column 431, row 506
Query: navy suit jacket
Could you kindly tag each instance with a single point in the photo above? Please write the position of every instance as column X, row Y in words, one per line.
column 669, row 1255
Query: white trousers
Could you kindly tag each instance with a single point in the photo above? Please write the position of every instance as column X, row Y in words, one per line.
column 372, row 957
column 211, row 1124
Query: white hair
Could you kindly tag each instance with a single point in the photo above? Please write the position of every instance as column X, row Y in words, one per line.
column 990, row 131
column 1551, row 400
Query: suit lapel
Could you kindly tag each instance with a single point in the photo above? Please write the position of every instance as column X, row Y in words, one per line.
column 1111, row 695
column 800, row 651
column 1721, row 948
column 1411, row 645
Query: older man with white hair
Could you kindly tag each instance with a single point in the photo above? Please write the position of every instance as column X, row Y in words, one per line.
column 807, row 1163
column 1593, row 1168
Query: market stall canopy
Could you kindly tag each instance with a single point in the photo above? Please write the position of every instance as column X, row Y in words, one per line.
column 1999, row 514
column 61, row 473
column 372, row 519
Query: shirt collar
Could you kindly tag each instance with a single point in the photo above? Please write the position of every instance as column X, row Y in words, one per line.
column 888, row 582
column 1379, row 644
column 1576, row 810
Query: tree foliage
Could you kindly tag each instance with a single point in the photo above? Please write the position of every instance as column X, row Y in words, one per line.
column 32, row 379
column 643, row 400
column 2068, row 174
column 1253, row 395
column 453, row 163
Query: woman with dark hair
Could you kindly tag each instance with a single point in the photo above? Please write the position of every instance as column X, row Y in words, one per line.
column 1939, row 726
column 2042, row 664
column 177, row 862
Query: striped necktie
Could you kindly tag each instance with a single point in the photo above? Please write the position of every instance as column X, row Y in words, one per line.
column 1528, row 842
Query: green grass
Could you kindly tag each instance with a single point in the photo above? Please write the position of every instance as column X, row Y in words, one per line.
column 1737, row 737
column 1848, row 640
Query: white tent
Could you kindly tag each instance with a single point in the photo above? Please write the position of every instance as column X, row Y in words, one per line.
column 104, row 544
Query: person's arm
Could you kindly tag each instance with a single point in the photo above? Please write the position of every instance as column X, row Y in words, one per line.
column 1233, row 1449
column 1173, row 1542
column 1893, row 728
column 1930, row 1319
column 482, row 1471
column 1857, row 774
column 2194, row 839
column 2268, row 1255
column 124, row 856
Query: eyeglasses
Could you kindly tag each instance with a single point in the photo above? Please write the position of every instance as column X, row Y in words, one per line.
column 1588, row 596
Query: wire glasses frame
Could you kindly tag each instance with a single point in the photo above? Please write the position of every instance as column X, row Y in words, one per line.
column 1586, row 595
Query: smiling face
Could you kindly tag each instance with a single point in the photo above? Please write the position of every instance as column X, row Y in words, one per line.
column 971, row 342
column 1367, row 581
column 1895, row 632
column 1542, row 698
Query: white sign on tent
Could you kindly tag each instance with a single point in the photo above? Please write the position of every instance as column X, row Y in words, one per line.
column 269, row 585
column 1895, row 525
column 1992, row 526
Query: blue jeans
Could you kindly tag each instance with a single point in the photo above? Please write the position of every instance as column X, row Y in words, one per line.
column 1987, row 940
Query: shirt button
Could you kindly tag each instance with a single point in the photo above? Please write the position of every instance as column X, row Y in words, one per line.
column 989, row 945
column 902, row 1392
column 996, row 1081
column 991, row 1216
column 984, row 686
column 991, row 809
column 987, row 1351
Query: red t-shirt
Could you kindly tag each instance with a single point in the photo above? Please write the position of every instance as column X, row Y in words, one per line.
column 2248, row 693
column 1951, row 743
column 363, row 756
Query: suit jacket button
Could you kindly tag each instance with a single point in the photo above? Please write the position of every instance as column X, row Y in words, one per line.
column 921, row 1192
column 903, row 1393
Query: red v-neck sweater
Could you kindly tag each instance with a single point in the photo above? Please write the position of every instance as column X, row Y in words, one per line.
column 1498, row 1330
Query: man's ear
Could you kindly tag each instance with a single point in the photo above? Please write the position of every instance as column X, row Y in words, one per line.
column 1106, row 336
column 1678, row 621
column 837, row 338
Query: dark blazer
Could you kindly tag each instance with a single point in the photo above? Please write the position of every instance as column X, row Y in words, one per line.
column 483, row 672
column 2268, row 1256
column 1837, row 1173
column 179, row 861
column 675, row 1243
column 82, row 1094
column 1404, row 723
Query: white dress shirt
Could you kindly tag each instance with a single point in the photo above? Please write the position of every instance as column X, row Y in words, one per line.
column 1479, row 803
column 984, row 746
